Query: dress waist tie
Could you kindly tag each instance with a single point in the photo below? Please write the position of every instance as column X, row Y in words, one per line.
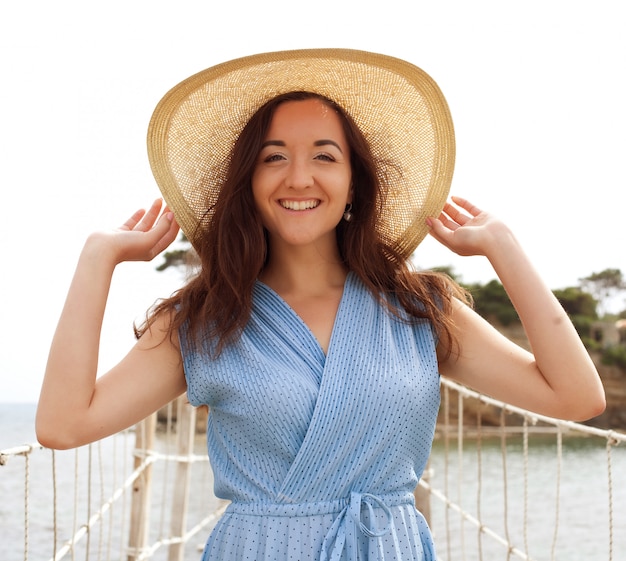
column 343, row 533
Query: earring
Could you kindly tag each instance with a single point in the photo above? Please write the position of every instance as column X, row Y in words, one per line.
column 347, row 215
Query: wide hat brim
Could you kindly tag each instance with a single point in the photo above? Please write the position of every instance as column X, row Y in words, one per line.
column 398, row 107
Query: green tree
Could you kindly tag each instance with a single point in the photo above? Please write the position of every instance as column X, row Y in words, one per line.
column 492, row 302
column 604, row 286
column 447, row 270
column 183, row 257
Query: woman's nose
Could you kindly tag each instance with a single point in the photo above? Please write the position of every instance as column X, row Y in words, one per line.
column 300, row 175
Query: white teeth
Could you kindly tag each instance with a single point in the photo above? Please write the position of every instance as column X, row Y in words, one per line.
column 299, row 205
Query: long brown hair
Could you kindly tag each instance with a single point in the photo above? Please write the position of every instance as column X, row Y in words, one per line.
column 216, row 304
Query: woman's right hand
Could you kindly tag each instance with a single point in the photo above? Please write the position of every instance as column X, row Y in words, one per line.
column 76, row 406
column 141, row 238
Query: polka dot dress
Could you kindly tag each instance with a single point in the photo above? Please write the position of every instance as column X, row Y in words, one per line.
column 319, row 454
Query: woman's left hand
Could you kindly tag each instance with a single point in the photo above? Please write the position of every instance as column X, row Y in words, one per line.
column 465, row 229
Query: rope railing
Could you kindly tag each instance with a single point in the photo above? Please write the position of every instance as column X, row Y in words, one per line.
column 98, row 516
column 23, row 451
column 525, row 505
column 79, row 503
column 489, row 460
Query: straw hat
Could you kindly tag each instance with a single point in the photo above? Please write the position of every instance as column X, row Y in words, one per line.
column 397, row 106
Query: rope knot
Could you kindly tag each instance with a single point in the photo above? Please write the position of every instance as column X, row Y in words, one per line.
column 343, row 533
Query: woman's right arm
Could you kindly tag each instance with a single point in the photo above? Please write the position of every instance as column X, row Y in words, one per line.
column 76, row 406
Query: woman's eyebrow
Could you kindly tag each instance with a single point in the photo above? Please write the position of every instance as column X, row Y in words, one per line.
column 272, row 143
column 322, row 142
column 327, row 141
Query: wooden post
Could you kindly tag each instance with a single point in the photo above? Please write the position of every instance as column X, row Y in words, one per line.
column 185, row 430
column 422, row 496
column 140, row 504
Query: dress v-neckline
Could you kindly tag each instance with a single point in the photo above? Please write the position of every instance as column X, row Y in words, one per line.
column 303, row 323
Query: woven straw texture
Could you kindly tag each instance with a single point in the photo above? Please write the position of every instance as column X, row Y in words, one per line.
column 398, row 107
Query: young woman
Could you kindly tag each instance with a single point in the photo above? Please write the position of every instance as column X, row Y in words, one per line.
column 316, row 347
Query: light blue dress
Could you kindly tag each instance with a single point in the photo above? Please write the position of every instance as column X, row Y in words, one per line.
column 319, row 454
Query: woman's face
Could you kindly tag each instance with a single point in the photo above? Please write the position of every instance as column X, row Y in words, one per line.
column 302, row 178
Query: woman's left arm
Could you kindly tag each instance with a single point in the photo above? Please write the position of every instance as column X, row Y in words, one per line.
column 559, row 378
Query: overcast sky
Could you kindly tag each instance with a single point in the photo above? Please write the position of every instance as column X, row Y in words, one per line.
column 536, row 90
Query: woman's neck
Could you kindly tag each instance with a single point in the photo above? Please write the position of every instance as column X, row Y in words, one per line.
column 303, row 271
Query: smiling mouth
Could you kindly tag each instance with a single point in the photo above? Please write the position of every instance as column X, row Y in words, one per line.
column 299, row 205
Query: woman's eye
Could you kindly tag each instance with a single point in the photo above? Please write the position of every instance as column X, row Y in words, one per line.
column 273, row 158
column 325, row 157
